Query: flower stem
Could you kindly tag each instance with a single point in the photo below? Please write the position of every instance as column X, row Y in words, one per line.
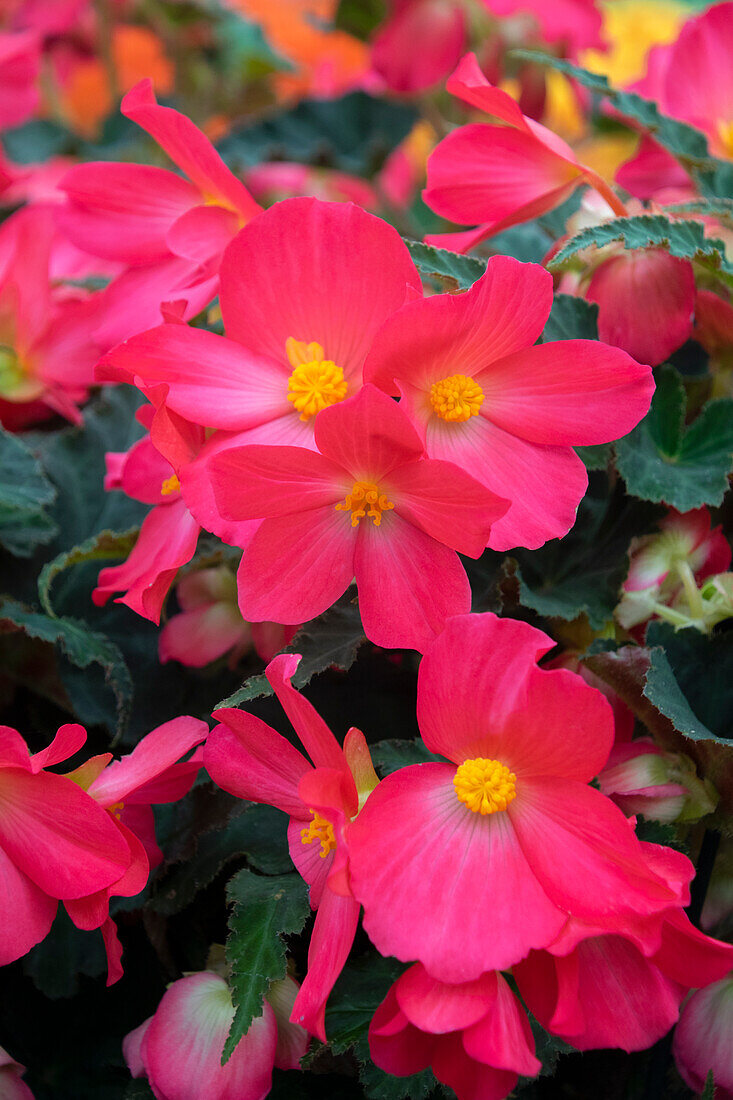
column 606, row 192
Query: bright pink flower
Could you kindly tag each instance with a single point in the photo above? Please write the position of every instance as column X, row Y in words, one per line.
column 138, row 213
column 294, row 346
column 419, row 43
column 574, row 24
column 250, row 760
column 607, row 993
column 55, row 841
column 623, row 717
column 179, row 1047
column 20, row 63
column 210, row 623
column 499, row 175
column 474, row 1036
column 366, row 505
column 47, row 348
column 703, row 1039
column 456, row 864
column 664, row 786
column 11, row 1086
column 482, row 396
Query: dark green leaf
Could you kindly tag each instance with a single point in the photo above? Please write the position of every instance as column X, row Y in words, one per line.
column 263, row 910
column 595, row 458
column 452, row 270
column 689, row 681
column 330, row 640
column 56, row 964
column 105, row 546
column 139, row 1090
column 709, row 1090
column 661, row 461
column 24, row 491
column 528, row 242
column 354, row 133
column 35, row 141
column 571, row 319
column 393, row 753
column 360, row 17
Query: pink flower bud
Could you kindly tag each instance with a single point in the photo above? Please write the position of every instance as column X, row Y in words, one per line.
column 703, row 1040
column 663, row 786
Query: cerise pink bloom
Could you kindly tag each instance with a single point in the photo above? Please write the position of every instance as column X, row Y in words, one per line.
column 365, row 505
column 251, row 760
column 419, row 43
column 456, row 863
column 482, row 394
column 703, row 1039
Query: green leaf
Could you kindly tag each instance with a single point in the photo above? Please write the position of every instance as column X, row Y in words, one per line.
column 596, row 458
column 263, row 910
column 687, row 144
column 571, row 319
column 450, row 269
column 528, row 242
column 660, row 460
column 394, row 753
column 709, row 1090
column 82, row 646
column 354, row 133
column 24, row 491
column 685, row 239
column 35, row 141
column 330, row 640
column 105, row 546
column 689, row 681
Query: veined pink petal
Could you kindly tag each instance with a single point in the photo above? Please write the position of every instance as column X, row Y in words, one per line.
column 469, row 84
column 132, row 1049
column 198, row 493
column 57, row 835
column 331, row 792
column 296, row 566
column 438, row 1007
column 123, row 211
column 157, row 751
column 368, row 435
column 68, row 740
column 260, row 481
column 408, row 584
column 211, row 380
column 503, row 1038
column 315, row 736
column 442, row 884
column 331, row 940
column 202, row 232
column 113, row 950
column 433, row 338
column 688, row 956
column 314, row 271
column 28, row 912
column 575, row 392
column 651, row 169
column 189, row 148
column 313, row 867
column 544, row 484
column 202, row 635
column 13, row 750
column 419, row 44
column 251, row 760
column 469, row 1080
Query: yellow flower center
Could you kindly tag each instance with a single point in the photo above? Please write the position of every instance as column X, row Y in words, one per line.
column 365, row 499
column 170, row 485
column 724, row 130
column 456, row 398
column 485, row 785
column 316, row 382
column 321, row 830
column 116, row 809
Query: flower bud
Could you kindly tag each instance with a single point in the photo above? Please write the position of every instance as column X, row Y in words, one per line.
column 643, row 779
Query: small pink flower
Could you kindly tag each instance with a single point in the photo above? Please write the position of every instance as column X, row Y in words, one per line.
column 249, row 759
column 475, row 1036
column 365, row 505
column 703, row 1039
column 643, row 779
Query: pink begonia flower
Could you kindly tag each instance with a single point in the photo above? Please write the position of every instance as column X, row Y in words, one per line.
column 607, row 993
column 642, row 778
column 210, row 623
column 294, row 346
column 419, row 43
column 20, row 70
column 251, row 760
column 11, row 1086
column 685, row 552
column 482, row 396
column 138, row 213
column 47, row 350
column 278, row 180
column 456, row 864
column 179, row 1048
column 499, row 175
column 703, row 1039
column 127, row 789
column 366, row 505
column 56, row 843
column 475, row 1037
column 623, row 717
column 575, row 24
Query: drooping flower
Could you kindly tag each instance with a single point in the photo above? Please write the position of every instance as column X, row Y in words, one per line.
column 499, row 175
column 703, row 1039
column 456, row 863
column 475, row 1036
column 294, row 345
column 365, row 505
column 419, row 43
column 483, row 397
column 642, row 778
column 251, row 760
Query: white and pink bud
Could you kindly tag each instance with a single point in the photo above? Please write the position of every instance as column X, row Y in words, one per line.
column 703, row 1039
column 663, row 786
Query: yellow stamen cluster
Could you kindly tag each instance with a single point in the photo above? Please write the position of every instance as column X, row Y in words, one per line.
column 456, row 398
column 365, row 499
column 320, row 829
column 724, row 130
column 170, row 485
column 116, row 809
column 485, row 785
column 316, row 382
